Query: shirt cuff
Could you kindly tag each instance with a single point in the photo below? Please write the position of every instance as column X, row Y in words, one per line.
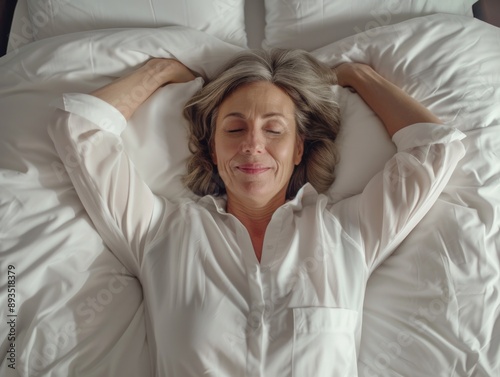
column 420, row 134
column 95, row 110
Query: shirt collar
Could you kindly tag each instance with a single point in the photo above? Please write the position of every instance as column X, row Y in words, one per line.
column 306, row 194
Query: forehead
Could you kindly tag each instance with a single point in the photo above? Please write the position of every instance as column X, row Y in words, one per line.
column 258, row 97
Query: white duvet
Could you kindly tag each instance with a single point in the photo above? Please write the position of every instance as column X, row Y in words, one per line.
column 432, row 309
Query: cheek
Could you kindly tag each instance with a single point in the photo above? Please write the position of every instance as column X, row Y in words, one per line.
column 284, row 157
column 222, row 152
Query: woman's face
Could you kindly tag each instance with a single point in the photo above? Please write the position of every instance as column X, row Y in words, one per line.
column 256, row 143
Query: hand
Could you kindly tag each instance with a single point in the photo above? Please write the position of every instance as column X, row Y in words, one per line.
column 167, row 71
column 340, row 72
column 346, row 72
column 128, row 92
column 390, row 103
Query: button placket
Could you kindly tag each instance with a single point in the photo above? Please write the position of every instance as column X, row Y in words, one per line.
column 255, row 328
column 271, row 238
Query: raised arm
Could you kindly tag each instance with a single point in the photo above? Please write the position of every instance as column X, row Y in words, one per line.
column 392, row 105
column 128, row 92
column 86, row 134
column 397, row 198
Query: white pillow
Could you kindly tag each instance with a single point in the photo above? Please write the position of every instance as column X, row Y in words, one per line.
column 160, row 149
column 363, row 143
column 223, row 19
column 426, row 57
column 310, row 24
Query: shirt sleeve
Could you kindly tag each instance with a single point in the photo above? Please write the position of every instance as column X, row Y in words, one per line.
column 86, row 133
column 397, row 198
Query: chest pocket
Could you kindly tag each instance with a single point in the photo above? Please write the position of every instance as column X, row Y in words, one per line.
column 324, row 342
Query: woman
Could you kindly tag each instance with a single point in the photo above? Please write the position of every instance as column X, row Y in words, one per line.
column 262, row 275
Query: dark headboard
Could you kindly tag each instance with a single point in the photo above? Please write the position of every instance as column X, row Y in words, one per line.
column 6, row 13
column 486, row 10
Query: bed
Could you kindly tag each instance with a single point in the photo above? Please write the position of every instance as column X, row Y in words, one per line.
column 69, row 308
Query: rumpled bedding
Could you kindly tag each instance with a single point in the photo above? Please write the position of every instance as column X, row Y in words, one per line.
column 431, row 309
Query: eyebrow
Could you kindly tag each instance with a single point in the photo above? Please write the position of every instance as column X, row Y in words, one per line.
column 266, row 115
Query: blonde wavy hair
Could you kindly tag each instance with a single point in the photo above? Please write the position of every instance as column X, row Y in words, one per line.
column 307, row 82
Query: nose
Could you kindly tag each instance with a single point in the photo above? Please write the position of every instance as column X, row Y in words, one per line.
column 253, row 143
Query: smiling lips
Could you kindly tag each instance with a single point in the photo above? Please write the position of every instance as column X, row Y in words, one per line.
column 252, row 168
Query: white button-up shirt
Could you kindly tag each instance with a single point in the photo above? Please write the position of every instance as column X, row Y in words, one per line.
column 212, row 309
